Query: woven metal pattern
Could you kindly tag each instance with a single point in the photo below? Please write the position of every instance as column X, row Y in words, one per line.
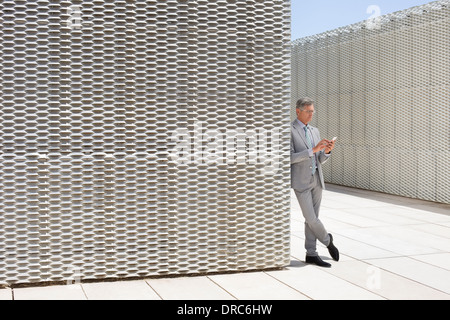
column 97, row 97
column 383, row 87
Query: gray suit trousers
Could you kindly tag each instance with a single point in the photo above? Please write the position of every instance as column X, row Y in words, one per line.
column 309, row 201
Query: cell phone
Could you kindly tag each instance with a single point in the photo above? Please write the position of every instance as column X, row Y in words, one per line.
column 334, row 139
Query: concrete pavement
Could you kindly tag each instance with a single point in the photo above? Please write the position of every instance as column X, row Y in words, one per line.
column 391, row 248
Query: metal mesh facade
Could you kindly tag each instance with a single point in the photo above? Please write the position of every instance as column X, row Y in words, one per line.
column 383, row 87
column 95, row 98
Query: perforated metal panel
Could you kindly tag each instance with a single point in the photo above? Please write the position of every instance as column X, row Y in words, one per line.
column 107, row 109
column 383, row 87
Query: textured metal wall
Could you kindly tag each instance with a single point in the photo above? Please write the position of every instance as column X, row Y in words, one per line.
column 107, row 109
column 383, row 87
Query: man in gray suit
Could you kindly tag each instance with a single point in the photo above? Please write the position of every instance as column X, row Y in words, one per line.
column 308, row 153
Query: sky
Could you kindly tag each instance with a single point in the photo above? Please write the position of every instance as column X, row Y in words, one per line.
column 309, row 17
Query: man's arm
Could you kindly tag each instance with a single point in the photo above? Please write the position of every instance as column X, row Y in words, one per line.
column 298, row 156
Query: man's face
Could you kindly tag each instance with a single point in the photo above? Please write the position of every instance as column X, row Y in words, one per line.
column 306, row 114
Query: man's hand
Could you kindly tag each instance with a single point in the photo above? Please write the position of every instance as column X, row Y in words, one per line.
column 324, row 143
column 330, row 146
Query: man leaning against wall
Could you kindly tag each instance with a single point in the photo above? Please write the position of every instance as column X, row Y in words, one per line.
column 308, row 153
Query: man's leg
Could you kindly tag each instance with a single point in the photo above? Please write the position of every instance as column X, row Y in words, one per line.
column 316, row 194
column 314, row 229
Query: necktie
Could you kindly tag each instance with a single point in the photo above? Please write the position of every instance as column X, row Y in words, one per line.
column 309, row 141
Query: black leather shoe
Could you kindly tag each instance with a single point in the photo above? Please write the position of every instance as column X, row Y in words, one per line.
column 334, row 252
column 317, row 261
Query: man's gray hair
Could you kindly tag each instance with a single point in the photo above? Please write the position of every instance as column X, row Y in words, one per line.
column 303, row 102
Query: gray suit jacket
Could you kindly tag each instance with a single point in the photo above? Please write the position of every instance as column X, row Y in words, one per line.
column 300, row 159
